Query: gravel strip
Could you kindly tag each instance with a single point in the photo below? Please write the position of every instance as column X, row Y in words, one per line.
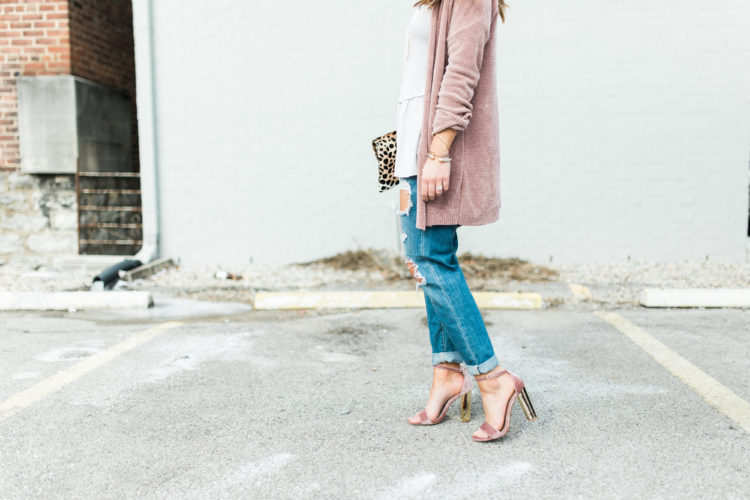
column 612, row 284
column 620, row 283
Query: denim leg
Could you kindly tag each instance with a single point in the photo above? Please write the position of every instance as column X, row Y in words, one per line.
column 431, row 257
column 443, row 350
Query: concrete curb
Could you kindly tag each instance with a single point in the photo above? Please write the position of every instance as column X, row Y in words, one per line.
column 81, row 300
column 695, row 297
column 376, row 300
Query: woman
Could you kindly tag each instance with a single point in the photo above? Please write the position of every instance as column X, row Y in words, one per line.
column 448, row 164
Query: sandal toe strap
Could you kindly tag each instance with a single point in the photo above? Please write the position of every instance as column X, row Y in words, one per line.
column 489, row 430
column 423, row 418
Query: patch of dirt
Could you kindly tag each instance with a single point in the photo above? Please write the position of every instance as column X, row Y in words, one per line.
column 348, row 330
column 473, row 266
column 352, row 260
column 478, row 266
column 392, row 268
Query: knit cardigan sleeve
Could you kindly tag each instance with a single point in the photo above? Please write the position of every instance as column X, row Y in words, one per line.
column 468, row 32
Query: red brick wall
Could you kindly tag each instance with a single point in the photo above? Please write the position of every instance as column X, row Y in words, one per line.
column 33, row 41
column 92, row 39
column 101, row 42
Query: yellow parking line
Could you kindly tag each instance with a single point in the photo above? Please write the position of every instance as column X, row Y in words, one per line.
column 26, row 398
column 717, row 395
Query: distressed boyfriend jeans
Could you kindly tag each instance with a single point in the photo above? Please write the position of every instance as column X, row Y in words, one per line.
column 457, row 330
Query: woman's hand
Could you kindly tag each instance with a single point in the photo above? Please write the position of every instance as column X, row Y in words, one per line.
column 435, row 177
column 436, row 173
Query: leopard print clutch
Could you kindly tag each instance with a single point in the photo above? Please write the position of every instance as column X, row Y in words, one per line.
column 385, row 151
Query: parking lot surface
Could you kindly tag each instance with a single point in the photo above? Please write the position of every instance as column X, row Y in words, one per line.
column 314, row 405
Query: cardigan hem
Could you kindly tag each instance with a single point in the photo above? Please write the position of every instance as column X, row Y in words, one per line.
column 443, row 220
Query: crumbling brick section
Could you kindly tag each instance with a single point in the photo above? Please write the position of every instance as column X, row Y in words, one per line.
column 34, row 40
column 92, row 39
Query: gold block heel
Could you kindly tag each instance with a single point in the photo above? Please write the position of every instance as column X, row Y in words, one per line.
column 526, row 406
column 466, row 407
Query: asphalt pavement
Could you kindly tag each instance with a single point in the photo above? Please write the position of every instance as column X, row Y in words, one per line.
column 244, row 404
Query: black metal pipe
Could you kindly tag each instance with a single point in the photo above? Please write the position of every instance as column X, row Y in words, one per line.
column 110, row 276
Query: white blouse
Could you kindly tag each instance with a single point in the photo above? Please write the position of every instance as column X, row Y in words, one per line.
column 411, row 97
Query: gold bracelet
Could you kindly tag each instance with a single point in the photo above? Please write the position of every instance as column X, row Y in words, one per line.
column 441, row 159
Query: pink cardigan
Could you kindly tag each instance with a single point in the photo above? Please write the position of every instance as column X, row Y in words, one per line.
column 461, row 93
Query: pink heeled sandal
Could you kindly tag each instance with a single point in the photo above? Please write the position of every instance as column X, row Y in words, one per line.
column 519, row 392
column 464, row 394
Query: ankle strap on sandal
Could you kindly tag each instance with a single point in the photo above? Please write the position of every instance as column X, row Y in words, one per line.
column 491, row 376
column 449, row 368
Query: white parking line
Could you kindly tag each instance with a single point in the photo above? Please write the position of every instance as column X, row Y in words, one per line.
column 717, row 395
column 26, row 398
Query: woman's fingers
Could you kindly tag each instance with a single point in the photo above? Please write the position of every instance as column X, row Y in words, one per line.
column 433, row 189
column 441, row 187
column 429, row 192
column 434, row 181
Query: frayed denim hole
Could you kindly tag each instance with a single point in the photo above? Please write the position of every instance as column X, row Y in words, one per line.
column 414, row 270
column 405, row 202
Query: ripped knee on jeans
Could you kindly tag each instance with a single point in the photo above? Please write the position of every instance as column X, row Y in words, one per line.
column 414, row 270
column 404, row 202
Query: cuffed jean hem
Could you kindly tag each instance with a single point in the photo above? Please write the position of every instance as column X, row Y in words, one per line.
column 483, row 367
column 446, row 357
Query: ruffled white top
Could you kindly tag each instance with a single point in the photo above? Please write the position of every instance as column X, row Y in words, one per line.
column 411, row 97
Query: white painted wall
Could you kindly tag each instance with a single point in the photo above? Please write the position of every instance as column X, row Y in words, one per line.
column 625, row 128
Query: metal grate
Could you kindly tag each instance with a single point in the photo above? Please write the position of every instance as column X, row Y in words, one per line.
column 110, row 221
